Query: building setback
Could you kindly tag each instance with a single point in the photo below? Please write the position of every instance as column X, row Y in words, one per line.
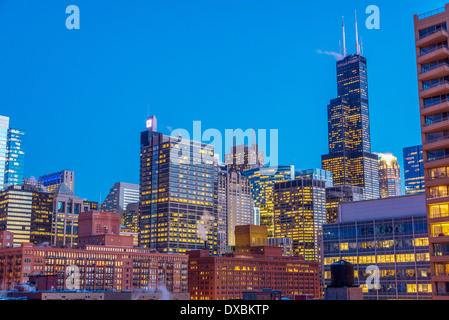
column 432, row 61
column 350, row 159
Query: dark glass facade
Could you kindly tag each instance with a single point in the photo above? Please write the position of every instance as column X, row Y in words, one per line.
column 413, row 169
column 350, row 159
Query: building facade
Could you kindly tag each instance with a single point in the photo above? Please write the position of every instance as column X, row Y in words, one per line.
column 66, row 209
column 26, row 210
column 317, row 174
column 414, row 168
column 262, row 183
column 389, row 176
column 98, row 268
column 390, row 236
column 243, row 157
column 350, row 159
column 52, row 181
column 432, row 56
column 338, row 194
column 120, row 195
column 226, row 277
column 235, row 205
column 12, row 154
column 178, row 204
column 299, row 213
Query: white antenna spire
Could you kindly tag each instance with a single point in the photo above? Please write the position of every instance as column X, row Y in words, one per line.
column 344, row 40
column 361, row 45
column 357, row 47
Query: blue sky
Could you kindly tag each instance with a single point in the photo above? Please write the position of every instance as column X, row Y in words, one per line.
column 82, row 96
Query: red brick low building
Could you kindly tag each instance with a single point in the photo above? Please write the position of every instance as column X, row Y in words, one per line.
column 228, row 276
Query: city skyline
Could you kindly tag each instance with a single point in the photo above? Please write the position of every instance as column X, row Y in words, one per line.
column 105, row 117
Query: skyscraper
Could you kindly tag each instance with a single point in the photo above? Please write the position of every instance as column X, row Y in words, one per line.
column 350, row 159
column 178, row 208
column 52, row 181
column 413, row 169
column 432, row 59
column 262, row 182
column 389, row 176
column 299, row 214
column 120, row 195
column 12, row 154
column 235, row 204
column 4, row 126
column 26, row 211
column 66, row 208
column 243, row 157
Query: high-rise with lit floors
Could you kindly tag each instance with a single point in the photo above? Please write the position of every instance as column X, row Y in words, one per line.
column 389, row 176
column 243, row 157
column 12, row 154
column 52, row 181
column 4, row 126
column 414, row 168
column 432, row 59
column 120, row 195
column 350, row 159
column 178, row 208
column 262, row 184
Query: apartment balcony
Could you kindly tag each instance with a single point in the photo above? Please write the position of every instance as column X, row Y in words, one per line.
column 437, row 89
column 437, row 36
column 433, row 182
column 437, row 199
column 435, row 108
column 439, row 125
column 442, row 238
column 439, row 53
column 437, row 71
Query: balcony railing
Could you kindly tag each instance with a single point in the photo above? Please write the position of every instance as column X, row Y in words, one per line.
column 437, row 139
column 434, row 103
column 430, row 122
column 446, row 156
column 430, row 13
column 431, row 32
column 433, row 67
column 439, row 83
column 432, row 49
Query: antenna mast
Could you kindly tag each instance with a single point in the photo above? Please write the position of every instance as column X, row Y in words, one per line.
column 357, row 47
column 344, row 40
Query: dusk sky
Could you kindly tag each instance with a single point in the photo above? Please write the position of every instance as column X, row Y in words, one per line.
column 82, row 96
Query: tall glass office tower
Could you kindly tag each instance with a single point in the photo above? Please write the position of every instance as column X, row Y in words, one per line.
column 12, row 154
column 4, row 126
column 413, row 169
column 178, row 196
column 350, row 159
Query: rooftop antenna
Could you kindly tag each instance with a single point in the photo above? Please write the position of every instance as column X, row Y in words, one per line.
column 357, row 47
column 344, row 40
column 361, row 45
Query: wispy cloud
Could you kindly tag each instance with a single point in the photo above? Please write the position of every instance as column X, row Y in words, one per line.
column 336, row 55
